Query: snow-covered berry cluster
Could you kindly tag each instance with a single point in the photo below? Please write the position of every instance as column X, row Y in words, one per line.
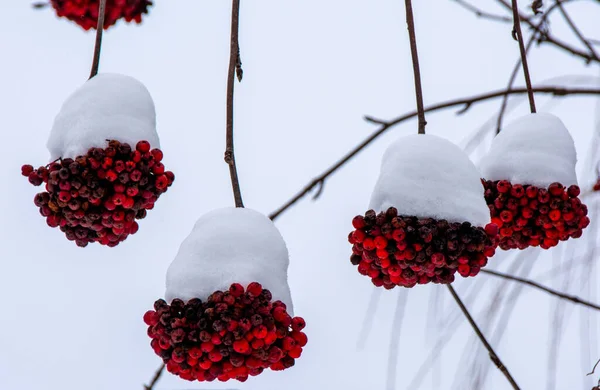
column 395, row 250
column 232, row 335
column 98, row 197
column 85, row 12
column 530, row 216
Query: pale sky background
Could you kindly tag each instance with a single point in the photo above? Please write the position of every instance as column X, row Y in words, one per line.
column 72, row 318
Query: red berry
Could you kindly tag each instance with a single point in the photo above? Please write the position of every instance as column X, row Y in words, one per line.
column 157, row 154
column 236, row 290
column 161, row 182
column 254, row 289
column 573, row 191
column 151, row 318
column 298, row 323
column 26, row 170
column 241, row 346
column 143, row 146
column 358, row 222
column 503, row 186
column 555, row 189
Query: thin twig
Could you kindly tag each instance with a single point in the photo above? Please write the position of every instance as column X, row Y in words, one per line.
column 410, row 22
column 234, row 63
column 395, row 340
column 531, row 283
column 493, row 355
column 515, row 71
column 511, row 81
column 98, row 44
column 557, row 91
column 576, row 31
column 594, row 369
column 40, row 5
column 482, row 14
column 155, row 378
column 547, row 37
column 518, row 35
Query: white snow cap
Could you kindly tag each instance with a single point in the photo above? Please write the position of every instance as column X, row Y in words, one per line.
column 536, row 149
column 230, row 245
column 429, row 177
column 108, row 106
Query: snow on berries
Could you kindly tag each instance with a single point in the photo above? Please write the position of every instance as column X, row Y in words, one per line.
column 107, row 169
column 531, row 184
column 230, row 314
column 233, row 334
column 427, row 218
column 85, row 12
column 98, row 197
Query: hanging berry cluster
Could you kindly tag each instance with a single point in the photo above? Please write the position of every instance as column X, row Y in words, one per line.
column 531, row 216
column 98, row 197
column 395, row 250
column 232, row 335
column 85, row 12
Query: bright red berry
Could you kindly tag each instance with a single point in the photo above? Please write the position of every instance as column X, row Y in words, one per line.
column 143, row 146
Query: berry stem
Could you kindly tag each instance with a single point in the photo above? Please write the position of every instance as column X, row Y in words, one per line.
column 518, row 35
column 493, row 356
column 98, row 44
column 234, row 67
column 155, row 378
column 415, row 61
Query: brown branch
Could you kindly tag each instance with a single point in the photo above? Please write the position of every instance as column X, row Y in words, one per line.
column 468, row 101
column 518, row 35
column 531, row 283
column 410, row 22
column 594, row 369
column 575, row 30
column 515, row 70
column 234, row 65
column 547, row 37
column 98, row 44
column 155, row 378
column 482, row 14
column 493, row 356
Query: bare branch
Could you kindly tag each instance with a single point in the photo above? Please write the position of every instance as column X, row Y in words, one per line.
column 531, row 283
column 594, row 369
column 547, row 37
column 518, row 34
column 576, row 30
column 410, row 22
column 235, row 67
column 556, row 90
column 482, row 14
column 493, row 356
column 155, row 378
column 98, row 43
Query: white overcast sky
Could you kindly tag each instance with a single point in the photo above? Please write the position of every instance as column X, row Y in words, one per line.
column 72, row 318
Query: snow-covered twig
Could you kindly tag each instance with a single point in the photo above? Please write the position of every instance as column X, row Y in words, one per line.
column 534, row 284
column 493, row 355
column 98, row 42
column 235, row 66
column 385, row 125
